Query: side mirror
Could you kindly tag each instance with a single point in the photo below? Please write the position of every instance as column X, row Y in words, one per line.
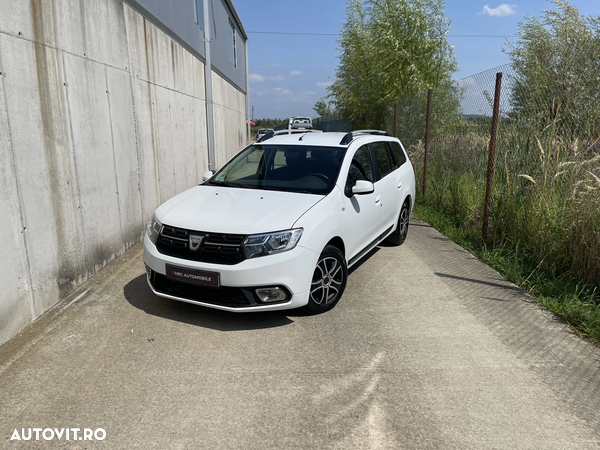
column 363, row 187
column 207, row 175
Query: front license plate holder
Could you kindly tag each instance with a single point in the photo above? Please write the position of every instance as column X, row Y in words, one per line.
column 193, row 276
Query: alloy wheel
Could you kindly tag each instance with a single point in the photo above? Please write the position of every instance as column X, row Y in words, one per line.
column 327, row 281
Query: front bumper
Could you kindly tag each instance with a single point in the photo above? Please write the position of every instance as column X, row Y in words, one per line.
column 291, row 270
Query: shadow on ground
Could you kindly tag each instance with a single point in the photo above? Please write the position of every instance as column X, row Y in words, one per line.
column 139, row 295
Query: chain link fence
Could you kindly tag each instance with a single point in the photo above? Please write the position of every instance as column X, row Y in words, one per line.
column 545, row 190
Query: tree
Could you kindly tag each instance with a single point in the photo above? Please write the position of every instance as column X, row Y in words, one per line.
column 557, row 71
column 322, row 108
column 389, row 50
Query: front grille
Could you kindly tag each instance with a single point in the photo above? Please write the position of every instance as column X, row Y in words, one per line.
column 225, row 296
column 215, row 247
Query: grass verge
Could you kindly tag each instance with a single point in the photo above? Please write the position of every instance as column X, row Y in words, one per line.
column 576, row 303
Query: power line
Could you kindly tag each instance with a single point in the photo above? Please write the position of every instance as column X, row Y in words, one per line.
column 301, row 34
column 337, row 34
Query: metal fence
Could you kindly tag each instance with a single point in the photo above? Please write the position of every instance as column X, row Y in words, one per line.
column 333, row 122
column 535, row 184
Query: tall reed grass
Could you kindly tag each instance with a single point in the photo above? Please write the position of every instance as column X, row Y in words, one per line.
column 545, row 196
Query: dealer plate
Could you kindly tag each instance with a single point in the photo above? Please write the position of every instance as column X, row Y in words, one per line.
column 193, row 276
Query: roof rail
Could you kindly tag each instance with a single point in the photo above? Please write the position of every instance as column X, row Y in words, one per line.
column 267, row 135
column 349, row 137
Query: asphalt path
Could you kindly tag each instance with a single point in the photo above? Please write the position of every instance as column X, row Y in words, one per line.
column 428, row 349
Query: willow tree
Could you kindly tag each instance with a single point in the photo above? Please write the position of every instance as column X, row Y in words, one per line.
column 390, row 50
column 557, row 71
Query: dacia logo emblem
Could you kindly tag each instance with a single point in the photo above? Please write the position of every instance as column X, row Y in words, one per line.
column 195, row 242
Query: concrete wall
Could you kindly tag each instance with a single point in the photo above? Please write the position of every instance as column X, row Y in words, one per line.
column 230, row 120
column 102, row 118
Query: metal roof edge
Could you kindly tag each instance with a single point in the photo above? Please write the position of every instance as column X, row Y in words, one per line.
column 237, row 18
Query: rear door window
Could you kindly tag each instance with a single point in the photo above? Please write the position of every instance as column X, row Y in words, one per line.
column 383, row 158
column 399, row 155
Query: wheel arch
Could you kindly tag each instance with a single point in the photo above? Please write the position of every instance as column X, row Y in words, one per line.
column 410, row 202
column 337, row 242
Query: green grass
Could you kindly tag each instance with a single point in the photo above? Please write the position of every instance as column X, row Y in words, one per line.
column 577, row 304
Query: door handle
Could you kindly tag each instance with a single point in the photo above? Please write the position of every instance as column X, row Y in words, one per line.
column 400, row 185
column 378, row 199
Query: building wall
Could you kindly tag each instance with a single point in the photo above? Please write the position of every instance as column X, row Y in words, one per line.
column 102, row 118
column 178, row 19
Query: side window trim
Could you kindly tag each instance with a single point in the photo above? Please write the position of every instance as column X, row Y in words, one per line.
column 374, row 160
column 395, row 164
column 401, row 149
column 376, row 173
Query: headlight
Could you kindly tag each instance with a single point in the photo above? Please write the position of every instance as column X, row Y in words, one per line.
column 153, row 230
column 267, row 244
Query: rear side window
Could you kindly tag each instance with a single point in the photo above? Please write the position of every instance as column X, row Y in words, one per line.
column 398, row 153
column 383, row 157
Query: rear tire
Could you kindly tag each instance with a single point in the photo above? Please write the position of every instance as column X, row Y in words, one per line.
column 399, row 234
column 328, row 281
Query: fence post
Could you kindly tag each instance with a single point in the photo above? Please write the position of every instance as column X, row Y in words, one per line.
column 395, row 118
column 427, row 123
column 491, row 158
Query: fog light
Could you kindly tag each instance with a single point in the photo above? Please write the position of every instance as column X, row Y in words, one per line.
column 274, row 294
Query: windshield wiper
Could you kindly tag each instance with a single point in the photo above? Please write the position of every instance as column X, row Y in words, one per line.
column 227, row 184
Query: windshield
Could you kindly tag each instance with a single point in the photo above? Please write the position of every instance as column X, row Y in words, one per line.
column 290, row 168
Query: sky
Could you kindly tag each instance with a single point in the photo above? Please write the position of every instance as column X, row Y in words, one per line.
column 292, row 51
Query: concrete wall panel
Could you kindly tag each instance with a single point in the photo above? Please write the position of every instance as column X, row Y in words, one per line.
column 177, row 146
column 161, row 108
column 92, row 144
column 200, row 137
column 16, row 18
column 159, row 49
column 16, row 301
column 146, row 147
column 136, row 26
column 46, row 176
column 230, row 119
column 104, row 33
column 125, row 154
column 189, row 143
column 102, row 118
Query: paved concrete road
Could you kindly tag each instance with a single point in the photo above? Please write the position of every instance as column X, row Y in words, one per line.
column 428, row 349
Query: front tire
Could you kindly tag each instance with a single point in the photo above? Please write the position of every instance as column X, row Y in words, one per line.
column 399, row 235
column 328, row 281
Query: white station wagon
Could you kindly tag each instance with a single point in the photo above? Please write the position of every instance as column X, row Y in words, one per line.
column 280, row 224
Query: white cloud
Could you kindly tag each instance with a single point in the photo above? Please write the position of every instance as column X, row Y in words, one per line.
column 255, row 78
column 295, row 72
column 324, row 84
column 465, row 82
column 287, row 95
column 500, row 11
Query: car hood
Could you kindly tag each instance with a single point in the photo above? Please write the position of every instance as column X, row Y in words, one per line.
column 236, row 211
